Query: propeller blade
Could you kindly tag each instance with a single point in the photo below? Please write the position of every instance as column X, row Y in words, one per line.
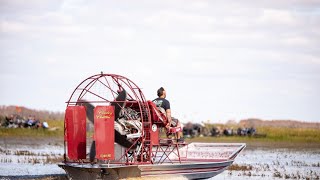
column 122, row 96
column 89, row 110
column 92, row 154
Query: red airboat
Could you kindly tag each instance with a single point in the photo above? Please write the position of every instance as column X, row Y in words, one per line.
column 113, row 132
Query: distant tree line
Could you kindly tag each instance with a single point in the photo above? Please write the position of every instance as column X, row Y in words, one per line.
column 6, row 111
column 278, row 123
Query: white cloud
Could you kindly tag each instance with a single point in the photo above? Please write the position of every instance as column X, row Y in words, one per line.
column 12, row 27
column 235, row 55
column 298, row 41
column 168, row 19
column 51, row 17
column 277, row 17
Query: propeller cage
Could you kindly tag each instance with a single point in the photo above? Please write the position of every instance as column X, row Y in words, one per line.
column 107, row 118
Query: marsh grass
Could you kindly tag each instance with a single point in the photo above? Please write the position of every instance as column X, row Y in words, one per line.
column 273, row 134
column 291, row 134
column 55, row 130
column 236, row 167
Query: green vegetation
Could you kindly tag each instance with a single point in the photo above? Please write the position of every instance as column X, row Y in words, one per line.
column 291, row 134
column 55, row 130
column 273, row 134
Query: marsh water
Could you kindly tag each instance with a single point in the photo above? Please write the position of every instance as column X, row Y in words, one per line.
column 29, row 157
column 25, row 158
column 282, row 163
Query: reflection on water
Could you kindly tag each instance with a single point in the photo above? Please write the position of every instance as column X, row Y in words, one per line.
column 276, row 164
column 16, row 160
column 250, row 164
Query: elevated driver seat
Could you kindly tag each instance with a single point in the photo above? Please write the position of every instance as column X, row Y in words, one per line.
column 158, row 115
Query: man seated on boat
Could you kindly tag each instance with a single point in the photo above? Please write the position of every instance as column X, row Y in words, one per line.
column 164, row 106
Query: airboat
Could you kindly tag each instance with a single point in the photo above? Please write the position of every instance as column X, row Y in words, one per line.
column 112, row 132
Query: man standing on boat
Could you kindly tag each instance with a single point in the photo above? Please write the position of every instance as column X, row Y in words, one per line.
column 164, row 105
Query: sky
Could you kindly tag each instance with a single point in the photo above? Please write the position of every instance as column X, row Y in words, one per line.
column 217, row 60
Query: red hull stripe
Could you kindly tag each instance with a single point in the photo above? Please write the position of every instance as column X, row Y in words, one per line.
column 182, row 171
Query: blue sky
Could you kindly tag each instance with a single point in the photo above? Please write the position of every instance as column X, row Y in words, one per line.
column 218, row 60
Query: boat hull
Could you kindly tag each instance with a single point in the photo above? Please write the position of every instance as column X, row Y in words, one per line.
column 189, row 170
column 193, row 161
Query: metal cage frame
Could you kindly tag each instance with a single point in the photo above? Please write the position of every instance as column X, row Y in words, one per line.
column 136, row 96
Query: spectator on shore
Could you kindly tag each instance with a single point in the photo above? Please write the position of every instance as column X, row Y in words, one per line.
column 45, row 125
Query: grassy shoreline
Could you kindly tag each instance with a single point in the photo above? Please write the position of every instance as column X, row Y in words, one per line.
column 55, row 130
column 275, row 136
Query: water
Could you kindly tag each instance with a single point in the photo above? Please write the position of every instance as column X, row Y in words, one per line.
column 276, row 164
column 34, row 158
column 21, row 157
